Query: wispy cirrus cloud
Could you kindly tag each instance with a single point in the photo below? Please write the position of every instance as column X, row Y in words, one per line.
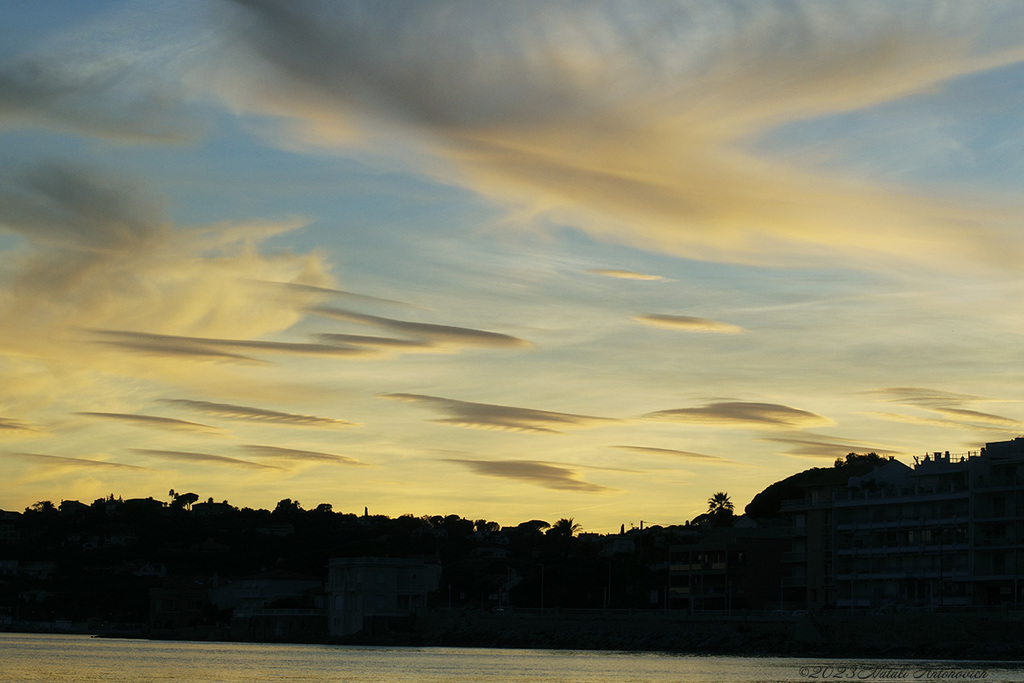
column 203, row 458
column 978, row 417
column 625, row 274
column 9, row 425
column 743, row 413
column 548, row 475
column 698, row 458
column 498, row 417
column 998, row 425
column 825, row 447
column 251, row 414
column 371, row 342
column 919, row 396
column 221, row 349
column 278, row 453
column 436, row 335
column 333, row 293
column 100, row 253
column 155, row 421
column 644, row 142
column 64, row 463
column 943, row 408
column 107, row 99
column 688, row 323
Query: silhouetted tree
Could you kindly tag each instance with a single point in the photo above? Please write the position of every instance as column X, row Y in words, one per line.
column 858, row 459
column 183, row 500
column 720, row 508
column 287, row 506
column 483, row 526
column 534, row 525
column 44, row 507
column 564, row 528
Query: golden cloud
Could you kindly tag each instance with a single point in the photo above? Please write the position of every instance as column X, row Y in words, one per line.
column 688, row 323
column 624, row 274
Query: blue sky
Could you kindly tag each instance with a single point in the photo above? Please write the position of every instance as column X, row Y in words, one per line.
column 502, row 260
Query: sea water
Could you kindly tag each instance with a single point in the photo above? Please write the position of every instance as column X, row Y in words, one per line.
column 76, row 658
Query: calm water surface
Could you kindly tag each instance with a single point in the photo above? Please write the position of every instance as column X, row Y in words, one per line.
column 30, row 657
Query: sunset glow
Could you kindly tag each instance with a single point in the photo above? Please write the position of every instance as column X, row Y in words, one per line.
column 503, row 260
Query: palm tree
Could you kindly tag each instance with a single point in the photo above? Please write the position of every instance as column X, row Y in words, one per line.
column 564, row 527
column 720, row 508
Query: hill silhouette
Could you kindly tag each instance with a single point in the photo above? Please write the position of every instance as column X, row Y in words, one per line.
column 768, row 503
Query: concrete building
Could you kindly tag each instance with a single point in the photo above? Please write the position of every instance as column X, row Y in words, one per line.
column 947, row 532
column 902, row 535
column 365, row 590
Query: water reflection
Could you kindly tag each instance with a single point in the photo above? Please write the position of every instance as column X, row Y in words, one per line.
column 80, row 659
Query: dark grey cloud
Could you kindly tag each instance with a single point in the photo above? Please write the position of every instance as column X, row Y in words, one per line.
column 686, row 455
column 61, row 462
column 688, row 323
column 490, row 416
column 292, row 454
column 436, row 334
column 742, row 413
column 74, row 207
column 151, row 421
column 203, row 458
column 251, row 414
column 544, row 474
column 109, row 98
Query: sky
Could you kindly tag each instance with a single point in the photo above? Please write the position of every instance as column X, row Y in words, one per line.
column 508, row 261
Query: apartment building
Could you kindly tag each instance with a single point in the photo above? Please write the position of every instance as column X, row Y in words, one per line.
column 947, row 532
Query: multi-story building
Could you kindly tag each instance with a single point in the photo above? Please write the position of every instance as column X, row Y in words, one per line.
column 808, row 575
column 902, row 535
column 947, row 532
column 997, row 523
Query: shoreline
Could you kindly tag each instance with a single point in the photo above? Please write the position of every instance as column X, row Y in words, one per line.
column 934, row 636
